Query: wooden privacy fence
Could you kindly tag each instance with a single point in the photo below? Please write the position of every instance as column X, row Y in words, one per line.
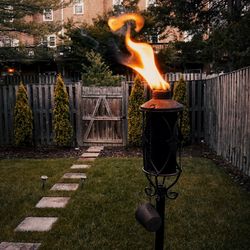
column 98, row 115
column 227, row 117
column 219, row 112
column 41, row 97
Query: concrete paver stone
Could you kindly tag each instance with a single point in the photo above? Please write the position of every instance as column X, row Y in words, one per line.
column 19, row 246
column 36, row 224
column 65, row 187
column 86, row 159
column 95, row 149
column 74, row 176
column 90, row 155
column 53, row 202
column 80, row 166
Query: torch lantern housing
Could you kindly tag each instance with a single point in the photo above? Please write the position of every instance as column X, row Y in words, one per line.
column 160, row 134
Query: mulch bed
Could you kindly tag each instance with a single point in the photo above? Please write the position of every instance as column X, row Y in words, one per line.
column 39, row 152
column 197, row 150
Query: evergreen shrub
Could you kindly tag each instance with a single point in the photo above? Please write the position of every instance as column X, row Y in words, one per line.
column 180, row 95
column 23, row 118
column 136, row 99
column 61, row 119
column 97, row 73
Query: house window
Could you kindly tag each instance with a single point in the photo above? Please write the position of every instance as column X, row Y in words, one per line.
column 8, row 14
column 51, row 41
column 187, row 37
column 154, row 38
column 8, row 42
column 48, row 15
column 78, row 7
column 150, row 3
column 117, row 2
column 5, row 42
column 15, row 43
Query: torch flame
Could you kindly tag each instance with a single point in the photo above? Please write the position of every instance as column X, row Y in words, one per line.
column 142, row 58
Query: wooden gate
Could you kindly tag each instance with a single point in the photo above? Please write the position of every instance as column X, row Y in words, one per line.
column 104, row 115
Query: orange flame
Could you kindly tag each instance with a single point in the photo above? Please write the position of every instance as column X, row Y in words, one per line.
column 142, row 58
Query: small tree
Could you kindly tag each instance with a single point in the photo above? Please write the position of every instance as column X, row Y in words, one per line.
column 136, row 99
column 180, row 95
column 23, row 118
column 97, row 72
column 61, row 119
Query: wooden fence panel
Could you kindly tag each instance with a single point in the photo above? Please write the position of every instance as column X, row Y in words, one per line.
column 104, row 115
column 195, row 95
column 41, row 98
column 227, row 117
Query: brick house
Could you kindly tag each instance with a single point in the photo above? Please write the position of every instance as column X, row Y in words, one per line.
column 78, row 11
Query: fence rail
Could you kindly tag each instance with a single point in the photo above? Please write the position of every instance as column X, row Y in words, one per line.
column 227, row 117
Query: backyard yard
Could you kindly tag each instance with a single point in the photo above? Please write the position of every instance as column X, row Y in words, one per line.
column 211, row 211
column 96, row 105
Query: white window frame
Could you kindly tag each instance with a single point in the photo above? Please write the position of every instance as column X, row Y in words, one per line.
column 45, row 19
column 9, row 9
column 78, row 4
column 49, row 41
column 117, row 2
column 150, row 2
column 15, row 42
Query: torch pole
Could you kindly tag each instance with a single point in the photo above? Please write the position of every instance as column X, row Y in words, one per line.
column 160, row 207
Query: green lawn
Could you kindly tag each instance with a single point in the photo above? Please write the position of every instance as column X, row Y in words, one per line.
column 211, row 212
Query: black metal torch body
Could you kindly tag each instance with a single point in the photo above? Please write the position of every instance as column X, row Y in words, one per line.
column 160, row 134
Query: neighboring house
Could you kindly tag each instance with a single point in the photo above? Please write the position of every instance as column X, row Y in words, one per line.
column 78, row 11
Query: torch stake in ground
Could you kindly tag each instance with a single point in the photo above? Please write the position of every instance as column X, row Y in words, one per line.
column 161, row 141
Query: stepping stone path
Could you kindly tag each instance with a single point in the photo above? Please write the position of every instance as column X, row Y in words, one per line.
column 19, row 246
column 42, row 224
column 36, row 224
column 53, row 202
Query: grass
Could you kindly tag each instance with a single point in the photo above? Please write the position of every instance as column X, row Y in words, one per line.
column 211, row 212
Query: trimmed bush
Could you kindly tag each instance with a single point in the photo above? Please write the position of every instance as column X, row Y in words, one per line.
column 136, row 99
column 61, row 119
column 23, row 118
column 97, row 72
column 180, row 95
